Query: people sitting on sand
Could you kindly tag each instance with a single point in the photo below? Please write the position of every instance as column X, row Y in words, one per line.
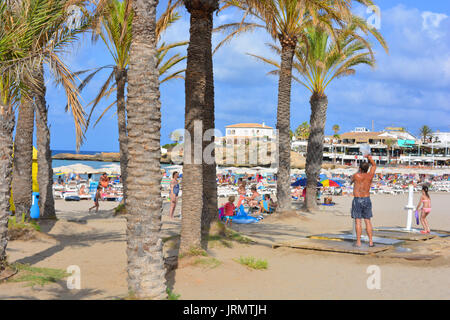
column 241, row 191
column 104, row 180
column 253, row 200
column 83, row 190
column 230, row 210
column 267, row 205
column 297, row 192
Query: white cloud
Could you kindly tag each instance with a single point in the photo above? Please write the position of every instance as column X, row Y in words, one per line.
column 431, row 22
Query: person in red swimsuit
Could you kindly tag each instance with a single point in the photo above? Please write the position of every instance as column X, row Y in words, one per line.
column 229, row 209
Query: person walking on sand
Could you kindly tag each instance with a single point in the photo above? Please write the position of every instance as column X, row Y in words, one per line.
column 425, row 203
column 97, row 197
column 362, row 206
column 174, row 190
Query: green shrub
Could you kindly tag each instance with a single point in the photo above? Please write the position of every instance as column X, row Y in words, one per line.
column 253, row 263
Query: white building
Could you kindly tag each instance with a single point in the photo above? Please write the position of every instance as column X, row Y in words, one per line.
column 244, row 133
column 250, row 130
column 442, row 137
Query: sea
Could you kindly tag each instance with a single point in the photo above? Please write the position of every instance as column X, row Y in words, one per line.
column 94, row 164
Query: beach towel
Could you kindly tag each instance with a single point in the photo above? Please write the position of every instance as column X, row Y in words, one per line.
column 221, row 212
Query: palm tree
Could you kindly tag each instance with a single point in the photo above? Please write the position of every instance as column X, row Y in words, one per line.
column 61, row 34
column 23, row 158
column 389, row 143
column 425, row 133
column 146, row 272
column 6, row 150
column 336, row 129
column 319, row 61
column 22, row 53
column 116, row 32
column 285, row 21
column 302, row 131
column 320, row 64
column 199, row 198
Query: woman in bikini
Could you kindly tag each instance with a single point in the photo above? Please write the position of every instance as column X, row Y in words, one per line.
column 174, row 191
column 425, row 202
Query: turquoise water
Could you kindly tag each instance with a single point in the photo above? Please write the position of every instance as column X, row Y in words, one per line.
column 94, row 164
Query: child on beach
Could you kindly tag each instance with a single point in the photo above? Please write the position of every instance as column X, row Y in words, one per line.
column 425, row 203
column 229, row 209
column 97, row 197
column 242, row 192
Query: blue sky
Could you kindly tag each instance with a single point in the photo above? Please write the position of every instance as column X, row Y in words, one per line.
column 410, row 86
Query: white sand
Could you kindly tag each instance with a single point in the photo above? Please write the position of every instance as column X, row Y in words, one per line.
column 96, row 243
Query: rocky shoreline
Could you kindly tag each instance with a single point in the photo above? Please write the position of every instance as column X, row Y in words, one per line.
column 102, row 156
column 297, row 160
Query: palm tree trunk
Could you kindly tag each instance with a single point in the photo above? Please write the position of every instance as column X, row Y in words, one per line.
column 23, row 159
column 146, row 272
column 199, row 180
column 122, row 125
column 314, row 155
column 44, row 155
column 283, row 126
column 6, row 150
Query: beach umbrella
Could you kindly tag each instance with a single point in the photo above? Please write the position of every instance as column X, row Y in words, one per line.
column 75, row 168
column 330, row 183
column 111, row 169
column 302, row 182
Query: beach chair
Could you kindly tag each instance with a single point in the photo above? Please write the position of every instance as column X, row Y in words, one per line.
column 265, row 208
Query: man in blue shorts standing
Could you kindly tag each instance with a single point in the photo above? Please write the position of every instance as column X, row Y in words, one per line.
column 362, row 206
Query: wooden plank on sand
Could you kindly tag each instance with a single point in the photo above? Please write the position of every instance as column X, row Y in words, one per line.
column 332, row 246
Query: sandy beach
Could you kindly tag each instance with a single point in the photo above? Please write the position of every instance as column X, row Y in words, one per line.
column 96, row 243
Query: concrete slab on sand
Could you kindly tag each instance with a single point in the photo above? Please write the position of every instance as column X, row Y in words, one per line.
column 332, row 246
column 434, row 233
column 351, row 237
column 409, row 236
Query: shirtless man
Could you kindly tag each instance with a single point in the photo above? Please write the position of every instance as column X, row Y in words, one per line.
column 362, row 206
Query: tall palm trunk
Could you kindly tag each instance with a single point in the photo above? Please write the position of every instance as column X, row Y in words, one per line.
column 44, row 155
column 6, row 149
column 146, row 272
column 199, row 178
column 283, row 127
column 314, row 155
column 22, row 185
column 122, row 124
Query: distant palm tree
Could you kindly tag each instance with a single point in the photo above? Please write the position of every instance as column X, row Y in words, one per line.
column 302, row 131
column 389, row 143
column 146, row 271
column 199, row 198
column 319, row 61
column 114, row 28
column 336, row 129
column 285, row 21
column 425, row 133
